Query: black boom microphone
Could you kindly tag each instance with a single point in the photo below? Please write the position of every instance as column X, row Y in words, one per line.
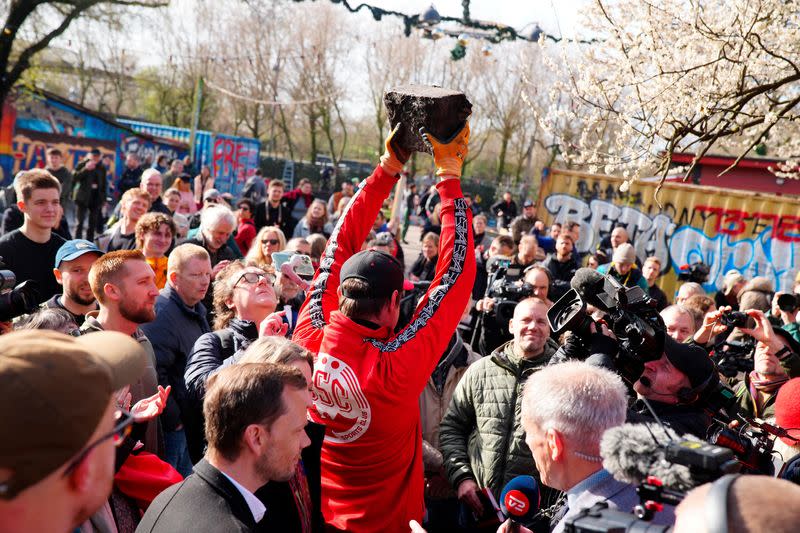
column 588, row 283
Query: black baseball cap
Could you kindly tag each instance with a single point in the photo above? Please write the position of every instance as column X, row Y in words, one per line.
column 382, row 272
column 692, row 360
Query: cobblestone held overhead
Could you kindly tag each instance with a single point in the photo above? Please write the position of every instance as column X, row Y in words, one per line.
column 441, row 111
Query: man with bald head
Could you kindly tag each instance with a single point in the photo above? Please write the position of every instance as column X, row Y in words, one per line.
column 687, row 290
column 619, row 235
column 498, row 453
column 151, row 182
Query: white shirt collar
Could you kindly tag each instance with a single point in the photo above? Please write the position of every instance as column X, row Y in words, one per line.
column 256, row 506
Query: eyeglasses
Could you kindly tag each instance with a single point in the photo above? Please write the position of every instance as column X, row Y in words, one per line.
column 252, row 278
column 122, row 428
column 273, row 242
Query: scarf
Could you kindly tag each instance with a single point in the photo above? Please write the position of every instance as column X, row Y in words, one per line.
column 765, row 386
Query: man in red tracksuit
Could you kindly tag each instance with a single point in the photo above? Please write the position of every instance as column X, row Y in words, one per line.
column 367, row 380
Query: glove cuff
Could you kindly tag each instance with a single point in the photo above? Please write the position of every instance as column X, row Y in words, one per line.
column 449, row 167
column 391, row 164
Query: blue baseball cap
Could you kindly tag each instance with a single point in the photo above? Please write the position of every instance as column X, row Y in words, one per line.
column 74, row 249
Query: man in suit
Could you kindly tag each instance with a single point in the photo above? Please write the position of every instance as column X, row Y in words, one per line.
column 255, row 418
column 566, row 408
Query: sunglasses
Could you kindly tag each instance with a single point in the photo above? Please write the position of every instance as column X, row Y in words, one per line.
column 273, row 242
column 122, row 428
column 252, row 278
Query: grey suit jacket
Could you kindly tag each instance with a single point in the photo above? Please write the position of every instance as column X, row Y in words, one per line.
column 601, row 486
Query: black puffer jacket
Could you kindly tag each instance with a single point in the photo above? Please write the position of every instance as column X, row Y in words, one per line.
column 215, row 350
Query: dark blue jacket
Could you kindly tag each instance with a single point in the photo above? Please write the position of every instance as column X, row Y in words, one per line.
column 173, row 335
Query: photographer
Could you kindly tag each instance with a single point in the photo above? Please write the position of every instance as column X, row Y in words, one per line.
column 757, row 391
column 785, row 306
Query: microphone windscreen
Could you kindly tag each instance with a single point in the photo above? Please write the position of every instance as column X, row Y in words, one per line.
column 589, row 283
column 630, row 454
column 519, row 500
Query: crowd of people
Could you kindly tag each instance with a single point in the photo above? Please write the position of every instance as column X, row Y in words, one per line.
column 273, row 362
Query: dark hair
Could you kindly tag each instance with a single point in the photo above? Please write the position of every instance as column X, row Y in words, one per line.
column 54, row 151
column 244, row 394
column 505, row 240
column 48, row 318
column 361, row 305
column 246, row 201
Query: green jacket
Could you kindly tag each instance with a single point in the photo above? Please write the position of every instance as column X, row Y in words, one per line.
column 481, row 436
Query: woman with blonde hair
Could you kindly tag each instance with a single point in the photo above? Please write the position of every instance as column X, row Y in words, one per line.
column 268, row 240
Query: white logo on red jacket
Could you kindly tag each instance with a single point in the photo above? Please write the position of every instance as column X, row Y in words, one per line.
column 338, row 397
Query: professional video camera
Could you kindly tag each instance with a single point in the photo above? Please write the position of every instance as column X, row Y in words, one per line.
column 16, row 300
column 752, row 443
column 507, row 292
column 628, row 311
column 696, row 272
column 505, row 287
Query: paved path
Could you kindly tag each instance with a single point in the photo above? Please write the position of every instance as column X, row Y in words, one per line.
column 413, row 247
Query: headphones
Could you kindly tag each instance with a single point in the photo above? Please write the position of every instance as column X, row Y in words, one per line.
column 688, row 395
column 717, row 504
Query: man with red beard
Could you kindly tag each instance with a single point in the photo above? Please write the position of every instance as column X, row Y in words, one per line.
column 125, row 288
column 73, row 261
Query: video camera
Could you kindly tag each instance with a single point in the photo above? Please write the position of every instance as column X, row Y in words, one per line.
column 505, row 287
column 628, row 311
column 16, row 300
column 696, row 272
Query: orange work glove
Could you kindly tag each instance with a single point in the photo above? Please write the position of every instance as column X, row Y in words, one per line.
column 449, row 155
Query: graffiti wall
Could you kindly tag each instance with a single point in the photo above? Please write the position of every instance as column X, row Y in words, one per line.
column 231, row 159
column 30, row 148
column 234, row 159
column 758, row 235
column 32, row 123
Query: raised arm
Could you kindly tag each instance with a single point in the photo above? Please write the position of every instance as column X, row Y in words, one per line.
column 347, row 238
column 412, row 354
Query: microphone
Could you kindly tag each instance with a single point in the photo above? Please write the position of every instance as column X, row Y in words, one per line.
column 631, row 454
column 520, row 500
column 588, row 283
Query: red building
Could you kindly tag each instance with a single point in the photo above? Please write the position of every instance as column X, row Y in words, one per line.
column 751, row 174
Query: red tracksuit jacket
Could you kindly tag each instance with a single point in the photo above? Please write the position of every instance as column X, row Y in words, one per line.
column 367, row 382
